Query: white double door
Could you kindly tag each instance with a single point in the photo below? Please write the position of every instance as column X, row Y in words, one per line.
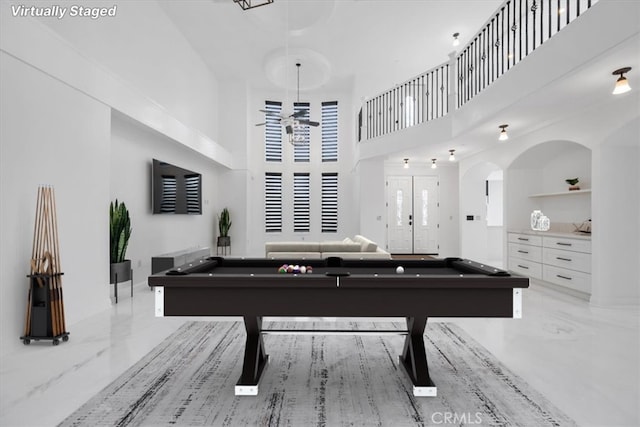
column 412, row 214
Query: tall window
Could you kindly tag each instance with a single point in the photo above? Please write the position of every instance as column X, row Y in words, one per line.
column 301, row 146
column 273, row 202
column 329, row 203
column 272, row 131
column 301, row 202
column 330, row 131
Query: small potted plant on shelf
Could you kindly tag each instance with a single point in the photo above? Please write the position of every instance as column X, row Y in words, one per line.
column 119, row 234
column 573, row 183
column 224, row 224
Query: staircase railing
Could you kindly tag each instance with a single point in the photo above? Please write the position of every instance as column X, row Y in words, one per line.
column 515, row 30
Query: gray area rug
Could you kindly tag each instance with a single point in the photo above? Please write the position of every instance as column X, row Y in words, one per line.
column 189, row 379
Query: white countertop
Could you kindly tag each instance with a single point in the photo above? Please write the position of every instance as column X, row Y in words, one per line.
column 551, row 233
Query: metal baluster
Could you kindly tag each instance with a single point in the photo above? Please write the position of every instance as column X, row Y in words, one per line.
column 568, row 12
column 502, row 41
column 550, row 20
column 447, row 87
column 534, row 6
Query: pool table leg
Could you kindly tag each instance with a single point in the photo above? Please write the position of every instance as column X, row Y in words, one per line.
column 255, row 359
column 414, row 358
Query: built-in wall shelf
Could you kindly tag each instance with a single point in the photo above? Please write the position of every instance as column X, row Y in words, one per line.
column 562, row 193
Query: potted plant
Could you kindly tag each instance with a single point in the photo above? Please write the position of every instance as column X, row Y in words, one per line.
column 120, row 232
column 573, row 183
column 224, row 224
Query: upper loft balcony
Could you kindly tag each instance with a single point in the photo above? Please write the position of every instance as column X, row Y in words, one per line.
column 544, row 54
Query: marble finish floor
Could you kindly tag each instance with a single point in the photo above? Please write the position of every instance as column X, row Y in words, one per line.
column 586, row 360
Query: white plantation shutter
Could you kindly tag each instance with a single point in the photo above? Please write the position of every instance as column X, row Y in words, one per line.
column 273, row 132
column 301, row 202
column 273, row 202
column 329, row 203
column 330, row 131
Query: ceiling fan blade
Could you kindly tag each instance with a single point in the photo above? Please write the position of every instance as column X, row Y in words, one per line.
column 299, row 113
column 261, row 124
column 308, row 122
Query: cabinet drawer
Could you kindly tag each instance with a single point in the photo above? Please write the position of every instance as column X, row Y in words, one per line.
column 568, row 244
column 526, row 239
column 525, row 267
column 567, row 278
column 577, row 261
column 531, row 253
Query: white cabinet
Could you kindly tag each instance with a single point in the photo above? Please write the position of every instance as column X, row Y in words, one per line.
column 562, row 261
column 525, row 254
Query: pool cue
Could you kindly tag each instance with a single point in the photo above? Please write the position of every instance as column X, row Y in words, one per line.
column 51, row 270
column 57, row 279
column 58, row 266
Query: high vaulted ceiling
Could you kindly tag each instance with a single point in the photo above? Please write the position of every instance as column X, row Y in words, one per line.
column 367, row 45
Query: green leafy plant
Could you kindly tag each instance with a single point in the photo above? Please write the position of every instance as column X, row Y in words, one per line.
column 224, row 223
column 572, row 181
column 120, row 231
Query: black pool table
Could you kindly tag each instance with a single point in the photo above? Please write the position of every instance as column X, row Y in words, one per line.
column 253, row 288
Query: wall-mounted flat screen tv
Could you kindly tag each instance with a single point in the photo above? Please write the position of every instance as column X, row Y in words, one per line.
column 175, row 190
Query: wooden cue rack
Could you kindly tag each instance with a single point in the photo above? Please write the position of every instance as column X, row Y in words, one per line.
column 45, row 306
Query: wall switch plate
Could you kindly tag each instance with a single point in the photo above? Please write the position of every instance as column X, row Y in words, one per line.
column 469, row 217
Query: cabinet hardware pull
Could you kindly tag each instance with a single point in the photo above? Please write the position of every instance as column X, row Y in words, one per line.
column 523, row 252
column 523, row 239
column 563, row 277
column 563, row 259
column 563, row 244
column 523, row 266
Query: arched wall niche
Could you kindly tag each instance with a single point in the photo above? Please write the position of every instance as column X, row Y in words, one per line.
column 536, row 180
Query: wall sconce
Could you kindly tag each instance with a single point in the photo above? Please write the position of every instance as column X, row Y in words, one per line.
column 456, row 41
column 406, row 163
column 433, row 164
column 452, row 157
column 622, row 85
column 503, row 133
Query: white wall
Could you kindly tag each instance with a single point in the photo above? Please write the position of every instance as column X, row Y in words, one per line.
column 616, row 209
column 479, row 242
column 52, row 134
column 133, row 146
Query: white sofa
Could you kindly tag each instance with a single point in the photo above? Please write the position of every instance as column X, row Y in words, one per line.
column 357, row 248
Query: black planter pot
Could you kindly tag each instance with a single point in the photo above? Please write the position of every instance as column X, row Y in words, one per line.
column 120, row 271
column 224, row 241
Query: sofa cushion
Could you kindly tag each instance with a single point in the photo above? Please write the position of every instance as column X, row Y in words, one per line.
column 365, row 244
column 339, row 247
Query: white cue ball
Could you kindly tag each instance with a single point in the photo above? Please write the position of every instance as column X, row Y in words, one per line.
column 303, row 269
column 400, row 270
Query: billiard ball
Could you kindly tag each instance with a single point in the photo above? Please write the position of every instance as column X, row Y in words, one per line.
column 309, row 269
column 303, row 269
column 400, row 269
column 290, row 269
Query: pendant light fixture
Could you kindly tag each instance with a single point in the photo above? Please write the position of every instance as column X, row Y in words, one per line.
column 452, row 157
column 433, row 164
column 456, row 40
column 503, row 133
column 622, row 85
column 406, row 163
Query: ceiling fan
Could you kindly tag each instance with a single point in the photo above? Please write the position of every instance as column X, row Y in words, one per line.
column 291, row 121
